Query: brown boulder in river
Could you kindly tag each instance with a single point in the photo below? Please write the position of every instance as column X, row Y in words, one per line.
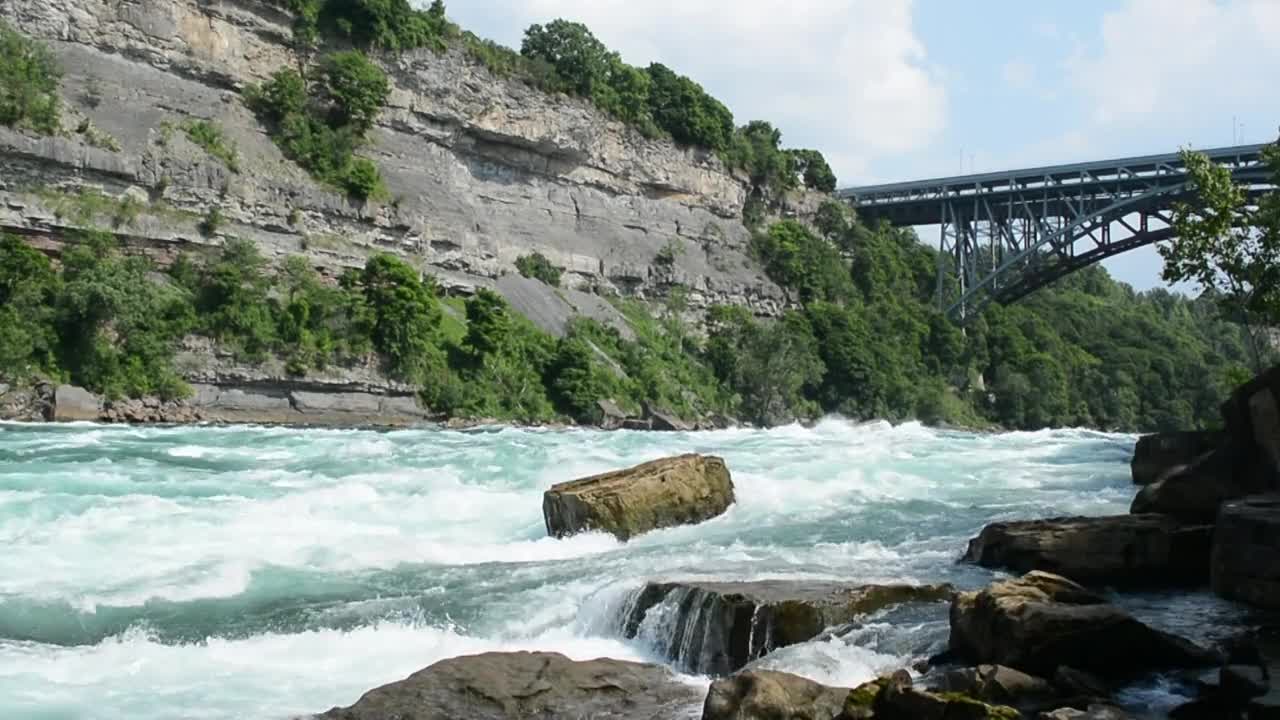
column 1125, row 550
column 673, row 491
column 1040, row 621
column 522, row 685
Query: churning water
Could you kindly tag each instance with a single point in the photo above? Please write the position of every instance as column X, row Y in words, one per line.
column 246, row 572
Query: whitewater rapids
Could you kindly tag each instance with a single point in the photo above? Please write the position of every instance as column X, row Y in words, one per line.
column 248, row 572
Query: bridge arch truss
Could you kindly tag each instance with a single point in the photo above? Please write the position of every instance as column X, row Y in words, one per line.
column 1005, row 235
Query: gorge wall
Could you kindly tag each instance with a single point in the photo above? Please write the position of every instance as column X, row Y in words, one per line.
column 481, row 169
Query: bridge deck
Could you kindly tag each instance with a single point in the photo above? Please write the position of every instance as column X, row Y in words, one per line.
column 1058, row 190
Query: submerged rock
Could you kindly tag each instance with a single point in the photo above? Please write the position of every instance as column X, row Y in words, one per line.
column 1154, row 455
column 519, row 686
column 1125, row 550
column 1093, row 712
column 673, row 491
column 1245, row 551
column 715, row 628
column 1040, row 621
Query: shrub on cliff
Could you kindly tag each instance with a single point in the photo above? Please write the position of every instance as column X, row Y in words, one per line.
column 28, row 289
column 682, row 108
column 29, row 78
column 321, row 127
column 538, row 267
column 381, row 24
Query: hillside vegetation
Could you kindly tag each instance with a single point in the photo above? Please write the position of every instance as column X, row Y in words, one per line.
column 864, row 337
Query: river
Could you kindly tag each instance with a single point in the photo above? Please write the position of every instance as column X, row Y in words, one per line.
column 248, row 572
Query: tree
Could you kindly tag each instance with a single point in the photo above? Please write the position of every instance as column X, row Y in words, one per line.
column 682, row 108
column 28, row 289
column 405, row 318
column 356, row 87
column 578, row 57
column 29, row 77
column 814, row 170
column 1228, row 247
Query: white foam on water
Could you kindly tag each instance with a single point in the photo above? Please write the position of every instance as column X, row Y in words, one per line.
column 192, row 514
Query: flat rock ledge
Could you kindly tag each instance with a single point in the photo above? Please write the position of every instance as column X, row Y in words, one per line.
column 524, row 685
column 1124, row 550
column 1042, row 622
column 682, row 490
column 715, row 628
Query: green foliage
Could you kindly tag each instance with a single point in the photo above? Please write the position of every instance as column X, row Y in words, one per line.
column 796, row 258
column 813, row 170
column 29, row 288
column 773, row 367
column 212, row 222
column 404, row 319
column 321, row 127
column 382, row 24
column 29, row 78
column 682, row 108
column 1227, row 246
column 117, row 327
column 355, row 89
column 210, row 136
column 538, row 267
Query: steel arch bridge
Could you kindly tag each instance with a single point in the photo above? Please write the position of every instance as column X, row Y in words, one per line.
column 1007, row 234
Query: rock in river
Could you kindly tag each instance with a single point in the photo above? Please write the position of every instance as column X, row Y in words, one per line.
column 715, row 628
column 519, row 686
column 673, row 491
column 1125, row 550
column 1040, row 621
column 1195, row 491
column 1246, row 551
column 1154, row 455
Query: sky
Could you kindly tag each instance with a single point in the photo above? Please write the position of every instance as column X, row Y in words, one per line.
column 910, row 89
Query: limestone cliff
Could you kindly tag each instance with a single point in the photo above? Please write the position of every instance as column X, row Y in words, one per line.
column 482, row 169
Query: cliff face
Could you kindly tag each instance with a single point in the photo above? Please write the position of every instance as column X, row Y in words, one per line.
column 482, row 169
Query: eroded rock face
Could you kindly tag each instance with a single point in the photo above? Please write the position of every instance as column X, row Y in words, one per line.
column 713, row 628
column 1156, row 454
column 484, row 169
column 664, row 493
column 519, row 686
column 1125, row 550
column 1246, row 551
column 1041, row 621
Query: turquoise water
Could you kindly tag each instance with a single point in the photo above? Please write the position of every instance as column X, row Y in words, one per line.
column 245, row 572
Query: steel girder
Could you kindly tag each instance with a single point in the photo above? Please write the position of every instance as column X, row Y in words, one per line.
column 1006, row 235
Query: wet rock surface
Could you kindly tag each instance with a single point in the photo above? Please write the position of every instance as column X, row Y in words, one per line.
column 1156, row 454
column 663, row 493
column 1041, row 621
column 520, row 686
column 718, row 627
column 1124, row 550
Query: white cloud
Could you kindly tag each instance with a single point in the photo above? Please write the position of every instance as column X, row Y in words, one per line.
column 849, row 77
column 1159, row 56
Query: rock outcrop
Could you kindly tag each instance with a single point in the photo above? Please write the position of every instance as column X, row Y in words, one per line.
column 996, row 684
column 765, row 694
column 1126, row 550
column 1154, row 455
column 74, row 404
column 1246, row 551
column 519, row 686
column 1193, row 492
column 715, row 628
column 1041, row 621
column 663, row 493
